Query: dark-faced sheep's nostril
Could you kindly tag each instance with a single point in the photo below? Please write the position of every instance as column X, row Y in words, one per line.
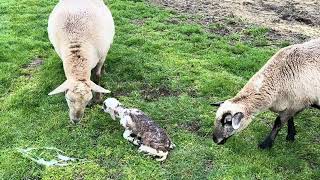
column 75, row 121
column 214, row 138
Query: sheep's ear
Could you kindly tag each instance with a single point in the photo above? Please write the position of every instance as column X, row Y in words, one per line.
column 236, row 119
column 217, row 103
column 62, row 88
column 97, row 88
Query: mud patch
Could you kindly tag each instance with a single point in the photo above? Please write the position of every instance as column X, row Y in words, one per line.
column 192, row 126
column 29, row 69
column 208, row 165
column 291, row 21
column 150, row 93
column 36, row 63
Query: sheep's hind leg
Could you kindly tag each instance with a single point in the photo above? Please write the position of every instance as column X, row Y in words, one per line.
column 268, row 142
column 151, row 151
column 291, row 130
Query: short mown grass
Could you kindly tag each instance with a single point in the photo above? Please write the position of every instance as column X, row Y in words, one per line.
column 172, row 71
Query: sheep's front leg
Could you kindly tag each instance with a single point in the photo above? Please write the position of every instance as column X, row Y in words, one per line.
column 127, row 134
column 291, row 130
column 96, row 77
column 268, row 142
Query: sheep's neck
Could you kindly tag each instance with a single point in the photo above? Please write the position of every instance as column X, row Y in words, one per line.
column 121, row 111
column 253, row 102
column 77, row 68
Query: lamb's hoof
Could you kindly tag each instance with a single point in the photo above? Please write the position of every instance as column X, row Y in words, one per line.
column 266, row 144
column 160, row 159
column 290, row 137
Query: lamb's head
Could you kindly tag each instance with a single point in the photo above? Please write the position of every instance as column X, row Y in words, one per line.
column 111, row 106
column 78, row 94
column 230, row 119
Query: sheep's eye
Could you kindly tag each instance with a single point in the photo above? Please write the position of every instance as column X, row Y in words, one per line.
column 226, row 119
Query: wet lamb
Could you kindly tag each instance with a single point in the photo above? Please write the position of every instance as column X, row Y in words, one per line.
column 140, row 129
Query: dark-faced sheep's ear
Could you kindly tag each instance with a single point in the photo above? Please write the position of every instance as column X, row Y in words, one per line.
column 217, row 104
column 236, row 119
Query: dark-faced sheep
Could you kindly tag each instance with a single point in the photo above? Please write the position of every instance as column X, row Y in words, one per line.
column 287, row 84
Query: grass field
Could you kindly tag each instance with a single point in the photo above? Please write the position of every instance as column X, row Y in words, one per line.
column 165, row 65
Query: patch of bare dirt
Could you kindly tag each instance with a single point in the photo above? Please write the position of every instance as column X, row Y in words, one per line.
column 28, row 69
column 193, row 126
column 34, row 64
column 293, row 20
column 153, row 93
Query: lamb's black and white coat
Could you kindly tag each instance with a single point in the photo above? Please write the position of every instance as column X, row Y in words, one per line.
column 140, row 129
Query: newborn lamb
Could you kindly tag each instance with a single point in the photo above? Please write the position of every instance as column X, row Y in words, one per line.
column 140, row 129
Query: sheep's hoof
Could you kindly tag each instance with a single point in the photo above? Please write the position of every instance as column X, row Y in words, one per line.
column 266, row 144
column 290, row 137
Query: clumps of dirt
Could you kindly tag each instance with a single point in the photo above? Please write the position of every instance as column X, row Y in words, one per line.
column 150, row 93
column 28, row 69
column 208, row 165
column 37, row 62
column 292, row 21
column 290, row 11
column 194, row 126
column 191, row 126
column 139, row 22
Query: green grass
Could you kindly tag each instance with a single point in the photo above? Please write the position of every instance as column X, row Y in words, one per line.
column 150, row 54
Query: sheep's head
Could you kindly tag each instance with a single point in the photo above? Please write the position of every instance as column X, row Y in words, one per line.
column 230, row 119
column 110, row 106
column 78, row 94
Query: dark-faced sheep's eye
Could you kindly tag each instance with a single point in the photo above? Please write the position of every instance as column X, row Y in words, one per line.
column 226, row 119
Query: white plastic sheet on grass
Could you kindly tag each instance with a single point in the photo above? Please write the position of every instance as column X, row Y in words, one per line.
column 59, row 160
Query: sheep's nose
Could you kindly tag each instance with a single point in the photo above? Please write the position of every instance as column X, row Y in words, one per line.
column 218, row 140
column 76, row 120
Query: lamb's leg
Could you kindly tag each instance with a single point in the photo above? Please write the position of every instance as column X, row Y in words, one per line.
column 291, row 130
column 268, row 142
column 151, row 151
column 127, row 135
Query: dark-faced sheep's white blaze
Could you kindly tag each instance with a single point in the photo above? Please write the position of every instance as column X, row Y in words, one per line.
column 287, row 84
column 81, row 32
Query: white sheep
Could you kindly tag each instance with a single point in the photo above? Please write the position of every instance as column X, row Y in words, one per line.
column 140, row 129
column 287, row 84
column 81, row 32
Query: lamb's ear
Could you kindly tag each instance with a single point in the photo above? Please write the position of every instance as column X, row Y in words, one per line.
column 97, row 88
column 217, row 103
column 236, row 119
column 62, row 88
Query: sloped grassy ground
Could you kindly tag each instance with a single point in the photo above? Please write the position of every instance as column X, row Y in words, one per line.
column 161, row 63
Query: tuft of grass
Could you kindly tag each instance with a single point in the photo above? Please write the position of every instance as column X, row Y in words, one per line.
column 161, row 63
